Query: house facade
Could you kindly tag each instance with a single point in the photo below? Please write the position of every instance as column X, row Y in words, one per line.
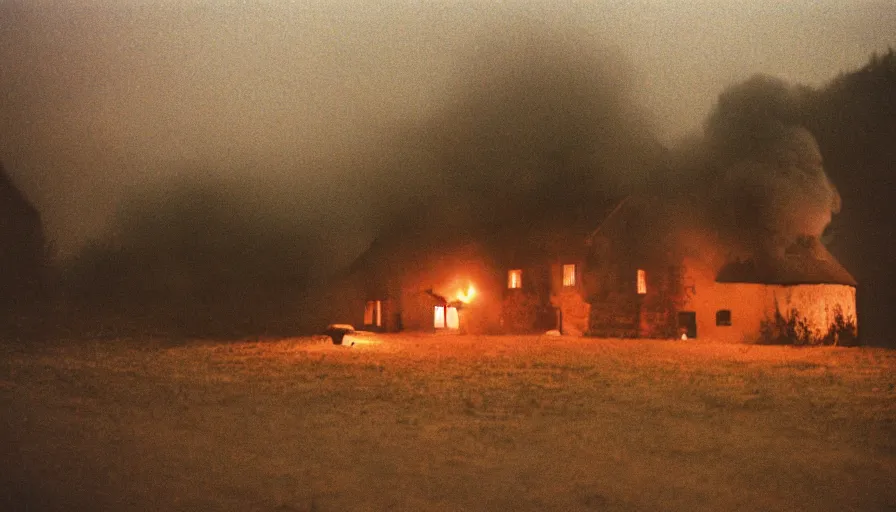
column 519, row 281
column 654, row 270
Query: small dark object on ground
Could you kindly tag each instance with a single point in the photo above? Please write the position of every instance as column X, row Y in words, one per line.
column 338, row 331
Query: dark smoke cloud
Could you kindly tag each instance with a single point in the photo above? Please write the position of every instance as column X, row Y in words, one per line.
column 763, row 176
column 537, row 119
column 540, row 121
column 299, row 101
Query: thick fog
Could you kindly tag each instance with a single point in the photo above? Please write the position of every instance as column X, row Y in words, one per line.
column 325, row 116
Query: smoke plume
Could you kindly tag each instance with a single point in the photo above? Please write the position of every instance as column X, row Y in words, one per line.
column 539, row 123
column 767, row 186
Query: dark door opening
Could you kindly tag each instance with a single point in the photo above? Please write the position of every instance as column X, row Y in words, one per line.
column 687, row 323
column 547, row 319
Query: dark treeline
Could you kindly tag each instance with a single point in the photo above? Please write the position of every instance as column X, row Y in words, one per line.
column 190, row 260
column 854, row 120
column 195, row 260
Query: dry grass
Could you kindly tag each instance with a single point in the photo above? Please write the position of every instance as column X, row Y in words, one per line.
column 447, row 423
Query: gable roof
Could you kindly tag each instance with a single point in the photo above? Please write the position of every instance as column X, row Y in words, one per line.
column 805, row 262
column 609, row 219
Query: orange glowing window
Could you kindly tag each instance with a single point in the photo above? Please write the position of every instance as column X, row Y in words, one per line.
column 642, row 282
column 446, row 317
column 515, row 279
column 439, row 320
column 569, row 275
column 373, row 313
column 452, row 320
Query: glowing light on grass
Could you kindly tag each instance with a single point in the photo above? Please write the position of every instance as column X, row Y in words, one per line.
column 361, row 338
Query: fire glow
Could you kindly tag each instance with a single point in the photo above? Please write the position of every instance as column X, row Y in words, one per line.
column 466, row 296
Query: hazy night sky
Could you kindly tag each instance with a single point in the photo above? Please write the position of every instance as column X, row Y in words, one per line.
column 294, row 100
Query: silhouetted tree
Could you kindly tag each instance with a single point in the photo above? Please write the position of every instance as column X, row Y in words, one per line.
column 196, row 261
column 854, row 119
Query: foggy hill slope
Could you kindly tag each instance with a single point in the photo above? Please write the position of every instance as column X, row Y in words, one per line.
column 23, row 249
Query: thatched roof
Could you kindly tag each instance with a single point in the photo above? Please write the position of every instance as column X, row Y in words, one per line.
column 805, row 262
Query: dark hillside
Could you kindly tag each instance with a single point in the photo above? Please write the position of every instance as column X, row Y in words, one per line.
column 22, row 248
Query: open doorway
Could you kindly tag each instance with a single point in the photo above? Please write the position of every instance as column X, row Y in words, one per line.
column 687, row 324
column 373, row 313
column 446, row 317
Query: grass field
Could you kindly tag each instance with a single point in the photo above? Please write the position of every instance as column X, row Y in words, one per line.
column 417, row 422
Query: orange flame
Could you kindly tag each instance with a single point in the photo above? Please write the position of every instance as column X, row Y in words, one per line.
column 466, row 296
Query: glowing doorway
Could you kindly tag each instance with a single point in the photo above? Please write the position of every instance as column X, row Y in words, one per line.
column 446, row 317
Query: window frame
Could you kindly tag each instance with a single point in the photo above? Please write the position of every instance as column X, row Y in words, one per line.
column 437, row 316
column 449, row 316
column 515, row 279
column 720, row 321
column 373, row 310
column 570, row 280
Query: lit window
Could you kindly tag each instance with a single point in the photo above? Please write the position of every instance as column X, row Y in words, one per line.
column 373, row 313
column 723, row 317
column 439, row 320
column 569, row 275
column 452, row 320
column 446, row 317
column 642, row 282
column 515, row 279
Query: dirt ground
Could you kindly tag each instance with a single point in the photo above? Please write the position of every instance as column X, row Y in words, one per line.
column 426, row 422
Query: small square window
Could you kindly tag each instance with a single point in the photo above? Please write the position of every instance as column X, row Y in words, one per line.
column 515, row 279
column 723, row 317
column 569, row 275
column 642, row 282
